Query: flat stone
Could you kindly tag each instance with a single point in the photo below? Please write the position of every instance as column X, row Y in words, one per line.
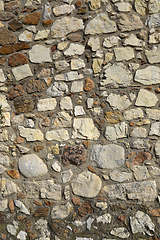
column 12, row 229
column 62, row 119
column 73, row 155
column 31, row 28
column 22, row 207
column 86, row 185
column 2, row 61
column 57, row 135
column 2, row 169
column 3, row 204
column 117, row 75
column 17, row 59
column 140, row 172
column 3, row 135
column 146, row 99
column 4, row 103
column 79, row 111
column 32, row 18
column 16, row 92
column 42, row 229
column 4, row 159
column 63, row 9
column 14, row 25
column 154, row 171
column 108, row 156
column 153, row 20
column 120, row 232
column 30, row 165
column 22, row 72
column 62, row 211
column 102, row 205
column 124, row 53
column 13, row 174
column 73, row 37
column 66, row 175
column 154, row 38
column 134, row 113
column 57, row 89
column 8, row 187
column 130, row 23
column 139, row 132
column 47, row 11
column 89, row 85
column 7, row 37
column 100, row 24
column 84, row 128
column 46, row 104
column 123, row 7
column 153, row 55
column 77, row 86
column 96, row 65
column 62, row 65
column 1, row 5
column 8, row 49
column 35, row 85
column 133, row 41
column 5, row 16
column 117, row 131
column 70, row 76
column 26, row 36
column 118, row 176
column 94, row 43
column 50, row 190
column 2, row 77
column 74, row 49
column 77, row 63
column 144, row 191
column 39, row 54
column 56, row 166
column 113, row 117
column 141, row 7
column 63, row 26
column 94, row 4
column 43, row 34
column 11, row 6
column 140, row 144
column 62, row 45
column 155, row 129
column 118, row 102
column 31, row 135
column 66, row 103
column 111, row 41
column 24, row 104
column 85, row 209
column 22, row 235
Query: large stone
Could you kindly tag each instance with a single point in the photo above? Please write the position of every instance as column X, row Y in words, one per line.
column 63, row 119
column 70, row 76
column 133, row 113
column 130, row 23
column 87, row 185
column 155, row 129
column 153, row 55
column 22, row 72
column 63, row 9
column 133, row 41
column 100, row 24
column 16, row 92
column 57, row 89
column 5, row 16
column 63, row 26
column 30, row 165
column 141, row 6
column 77, row 86
column 24, row 104
column 74, row 49
column 117, row 131
column 46, row 104
column 148, row 76
column 139, row 132
column 32, row 18
column 153, row 114
column 7, row 49
column 144, row 191
column 124, row 53
column 58, row 135
column 146, row 99
column 66, row 103
column 31, row 135
column 39, row 54
column 35, row 85
column 7, row 37
column 118, row 102
column 14, row 25
column 61, row 211
column 17, row 59
column 140, row 172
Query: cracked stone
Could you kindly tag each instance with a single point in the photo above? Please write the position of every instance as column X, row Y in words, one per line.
column 146, row 99
column 31, row 135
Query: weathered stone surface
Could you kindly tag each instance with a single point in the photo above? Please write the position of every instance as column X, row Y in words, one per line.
column 89, row 85
column 62, row 211
column 111, row 41
column 85, row 209
column 86, row 184
column 118, row 176
column 11, row 6
column 153, row 54
column 4, row 159
column 74, row 155
column 139, row 132
column 46, row 104
column 134, row 113
column 24, row 104
column 8, row 187
column 66, row 175
column 155, row 129
column 119, row 130
column 113, row 117
column 123, row 7
column 31, row 165
column 94, row 43
column 124, row 53
column 7, row 37
column 70, row 76
column 5, row 16
column 63, row 9
column 140, row 172
column 57, row 89
column 14, row 25
column 74, row 49
column 153, row 20
column 77, row 63
column 148, row 76
column 42, row 229
column 4, row 103
column 77, row 86
column 43, row 34
column 22, row 72
column 13, row 174
column 100, row 24
column 35, row 85
column 2, row 61
column 118, row 102
column 16, row 92
column 144, row 191
column 97, row 64
column 17, row 59
column 120, row 232
column 62, row 65
column 25, row 36
column 66, row 103
column 39, row 54
column 146, row 99
column 57, row 135
column 13, row 48
column 129, row 23
column 63, row 26
column 50, row 190
column 30, row 134
column 22, row 207
column 32, row 18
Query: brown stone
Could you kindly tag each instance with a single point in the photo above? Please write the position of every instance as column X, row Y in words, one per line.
column 76, row 201
column 11, row 6
column 2, row 61
column 157, row 90
column 82, row 10
column 11, row 205
column 85, row 209
column 78, row 3
column 45, row 122
column 32, row 18
column 21, row 217
column 7, row 37
column 13, row 48
column 131, row 124
column 85, row 143
column 2, row 218
column 21, row 195
column 24, row 104
column 37, row 203
column 41, row 212
column 29, row 9
column 47, row 22
column 113, row 117
column 19, row 140
column 130, row 155
column 89, row 85
column 35, row 85
column 54, row 48
column 74, row 155
column 16, row 92
column 49, row 203
column 38, row 148
column 17, row 59
column 74, row 37
column 13, row 174
column 5, row 16
column 141, row 157
column 155, row 212
column 91, row 169
column 14, row 25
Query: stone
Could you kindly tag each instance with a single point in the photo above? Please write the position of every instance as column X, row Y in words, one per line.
column 63, row 9
column 124, row 53
column 31, row 28
column 118, row 176
column 42, row 229
column 2, row 61
column 89, row 223
column 1, row 5
column 22, row 149
column 32, row 18
column 155, row 129
column 123, row 7
column 118, row 102
column 102, row 205
column 43, row 34
column 140, row 172
column 73, row 155
column 17, row 59
column 120, row 232
column 117, row 131
column 12, row 229
column 153, row 20
column 139, row 132
column 77, row 86
column 79, row 111
column 8, row 187
column 24, row 104
column 30, row 165
column 39, row 54
column 22, row 72
column 26, row 36
column 87, row 185
column 141, row 7
column 84, row 128
column 142, row 223
column 143, row 191
column 134, row 113
column 11, row 6
column 62, row 119
column 111, row 41
column 3, row 135
column 117, row 75
column 62, row 45
column 108, row 156
column 62, row 211
column 13, row 48
column 14, row 25
column 57, row 135
column 56, row 55
column 94, row 43
column 16, row 92
column 4, row 103
column 62, row 65
column 31, row 135
column 157, row 149
column 85, row 209
column 47, row 22
column 47, row 11
column 50, row 190
column 22, row 207
column 70, row 76
column 94, row 4
column 96, row 65
column 77, row 63
column 153, row 54
column 113, row 117
column 35, row 85
column 57, row 89
column 7, row 37
column 130, row 23
column 140, row 143
column 106, row 218
column 74, row 49
column 13, row 174
column 22, row 235
column 66, row 175
column 89, row 85
column 5, row 16
column 2, row 77
column 66, row 25
column 66, row 103
column 3, row 204
column 146, row 99
column 100, row 24
column 2, row 169
column 11, row 205
column 133, row 41
column 56, row 166
column 154, row 38
column 73, row 37
column 46, row 104
column 154, row 171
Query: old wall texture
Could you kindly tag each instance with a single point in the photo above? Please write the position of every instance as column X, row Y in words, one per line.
column 80, row 119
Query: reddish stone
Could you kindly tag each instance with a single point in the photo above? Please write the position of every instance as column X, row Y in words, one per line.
column 16, row 92
column 14, row 25
column 76, row 201
column 49, row 203
column 21, row 195
column 29, row 9
column 21, row 217
column 7, row 37
column 131, row 124
column 47, row 22
column 74, row 155
column 11, row 205
column 141, row 157
column 89, row 85
column 13, row 174
column 91, row 169
column 155, row 212
column 121, row 218
column 32, row 18
column 13, row 48
column 86, row 143
column 130, row 155
column 11, row 6
column 24, row 104
column 35, row 85
column 37, row 203
column 78, row 3
column 53, row 48
column 17, row 59
column 103, row 105
column 2, row 61
column 74, row 37
column 85, row 209
column 149, row 88
column 41, row 212
column 38, row 148
column 19, row 140
column 5, row 16
column 157, row 90
column 45, row 122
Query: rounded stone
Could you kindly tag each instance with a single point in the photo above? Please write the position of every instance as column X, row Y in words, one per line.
column 31, row 165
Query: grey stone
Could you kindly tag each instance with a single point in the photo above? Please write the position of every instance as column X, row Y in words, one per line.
column 39, row 54
column 117, row 131
column 111, row 41
column 79, row 111
column 47, row 11
column 123, row 7
column 94, row 43
column 21, row 72
column 154, row 171
column 8, row 187
column 139, row 132
column 2, row 77
column 155, row 129
column 63, row 9
column 41, row 35
column 2, row 169
column 42, row 229
column 146, row 99
column 66, row 103
column 129, row 23
column 57, row 89
column 77, row 86
column 21, row 207
column 140, row 143
column 26, row 36
column 133, row 41
column 5, row 160
column 12, row 229
column 61, row 65
column 62, row 211
column 56, row 166
column 118, row 176
column 140, row 172
column 157, row 149
column 66, row 176
column 30, row 134
column 120, row 232
column 124, row 53
column 62, row 119
column 106, row 218
column 3, row 204
column 77, row 63
column 89, row 223
column 118, row 102
column 153, row 20
column 50, row 190
column 153, row 55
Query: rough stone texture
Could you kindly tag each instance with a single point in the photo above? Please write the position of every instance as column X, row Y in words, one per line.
column 32, row 18
column 147, row 76
column 73, row 155
column 7, row 37
column 24, row 105
column 39, row 54
column 17, row 59
column 22, row 72
column 146, row 99
column 118, row 102
column 30, row 134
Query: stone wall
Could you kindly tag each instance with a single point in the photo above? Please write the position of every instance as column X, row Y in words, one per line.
column 79, row 119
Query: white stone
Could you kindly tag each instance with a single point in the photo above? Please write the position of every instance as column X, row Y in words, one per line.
column 30, row 165
column 61, row 212
column 56, row 55
column 12, row 229
column 57, row 135
column 22, row 149
column 124, row 53
column 102, row 205
column 140, row 143
column 66, row 25
column 154, row 38
column 31, row 28
column 89, row 223
column 57, row 89
column 118, row 176
column 39, row 54
column 63, row 9
column 120, row 232
column 155, row 171
column 139, row 132
column 62, row 119
column 47, row 11
column 133, row 113
column 22, row 207
column 43, row 34
column 119, row 130
column 133, row 41
column 66, row 176
column 153, row 55
column 61, row 65
column 56, row 166
column 46, row 104
column 68, row 1
column 77, row 63
column 100, row 24
column 42, row 228
column 118, row 102
column 5, row 160
column 22, row 235
column 94, row 43
column 86, row 185
column 21, row 72
column 106, row 218
column 74, row 49
column 146, row 99
column 108, row 57
column 1, row 5
column 8, row 187
column 157, row 149
column 77, row 86
column 140, row 172
column 155, row 129
column 3, row 204
column 90, row 102
column 84, row 128
column 62, row 45
column 26, row 36
column 2, row 169
column 94, row 4
column 108, row 156
column 148, row 76
column 3, row 135
column 70, row 76
column 79, row 111
column 31, row 135
column 2, row 77
column 123, row 7
column 66, row 103
column 50, row 190
column 111, row 41
column 30, row 123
